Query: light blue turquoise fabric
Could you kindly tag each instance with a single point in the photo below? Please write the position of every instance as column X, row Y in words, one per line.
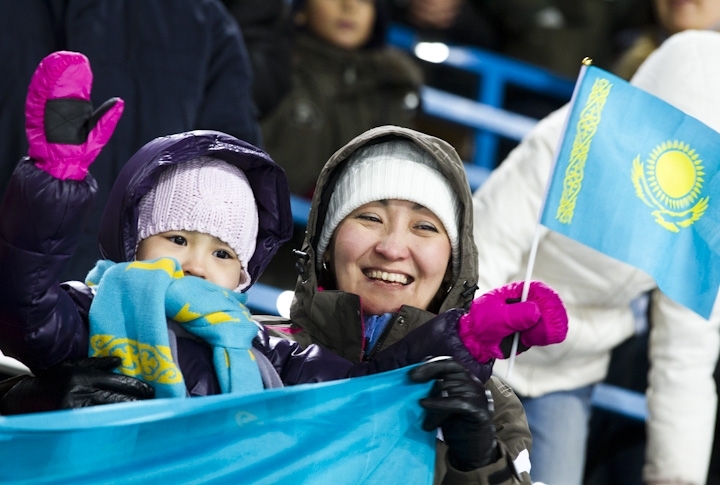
column 128, row 319
column 364, row 430
column 637, row 179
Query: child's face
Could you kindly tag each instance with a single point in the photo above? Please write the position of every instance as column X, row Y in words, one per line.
column 344, row 23
column 199, row 254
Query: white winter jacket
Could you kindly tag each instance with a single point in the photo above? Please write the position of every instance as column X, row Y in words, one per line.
column 597, row 290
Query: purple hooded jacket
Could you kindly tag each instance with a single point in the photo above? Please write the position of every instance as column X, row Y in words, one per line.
column 44, row 322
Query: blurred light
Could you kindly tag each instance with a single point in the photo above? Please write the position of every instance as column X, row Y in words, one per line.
column 411, row 101
column 436, row 52
column 283, row 303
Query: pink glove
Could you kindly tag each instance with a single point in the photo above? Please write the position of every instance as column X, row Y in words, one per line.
column 487, row 329
column 64, row 133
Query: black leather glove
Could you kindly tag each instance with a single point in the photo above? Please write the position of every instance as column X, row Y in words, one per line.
column 461, row 406
column 73, row 384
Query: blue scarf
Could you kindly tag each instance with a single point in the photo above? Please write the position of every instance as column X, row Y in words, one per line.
column 128, row 319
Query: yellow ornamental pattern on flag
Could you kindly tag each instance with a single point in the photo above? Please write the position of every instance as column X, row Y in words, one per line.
column 153, row 363
column 671, row 182
column 587, row 126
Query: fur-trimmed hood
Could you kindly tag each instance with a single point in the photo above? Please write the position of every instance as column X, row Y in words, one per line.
column 450, row 165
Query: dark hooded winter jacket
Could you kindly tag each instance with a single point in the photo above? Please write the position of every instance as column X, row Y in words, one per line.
column 333, row 319
column 43, row 322
column 336, row 95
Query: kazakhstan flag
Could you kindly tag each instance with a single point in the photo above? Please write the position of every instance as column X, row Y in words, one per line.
column 365, row 430
column 637, row 179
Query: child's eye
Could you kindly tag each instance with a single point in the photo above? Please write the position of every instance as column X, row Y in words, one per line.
column 223, row 254
column 179, row 240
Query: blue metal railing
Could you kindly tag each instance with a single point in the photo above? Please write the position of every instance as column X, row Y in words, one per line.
column 629, row 403
column 476, row 115
column 497, row 73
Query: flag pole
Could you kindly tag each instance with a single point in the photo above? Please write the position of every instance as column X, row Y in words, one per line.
column 525, row 291
column 536, row 239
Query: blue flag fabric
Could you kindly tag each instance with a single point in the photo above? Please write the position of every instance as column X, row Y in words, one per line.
column 355, row 431
column 637, row 179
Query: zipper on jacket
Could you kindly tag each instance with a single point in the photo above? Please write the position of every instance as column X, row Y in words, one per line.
column 383, row 336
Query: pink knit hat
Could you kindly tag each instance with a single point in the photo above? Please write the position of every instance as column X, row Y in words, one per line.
column 205, row 195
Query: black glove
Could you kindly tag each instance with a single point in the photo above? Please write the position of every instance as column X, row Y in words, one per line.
column 74, row 384
column 461, row 406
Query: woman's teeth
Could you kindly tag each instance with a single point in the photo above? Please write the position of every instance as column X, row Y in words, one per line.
column 389, row 277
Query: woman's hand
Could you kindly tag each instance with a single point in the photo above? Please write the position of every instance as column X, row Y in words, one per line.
column 461, row 406
column 487, row 329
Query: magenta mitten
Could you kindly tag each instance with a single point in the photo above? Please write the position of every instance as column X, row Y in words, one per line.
column 487, row 329
column 64, row 133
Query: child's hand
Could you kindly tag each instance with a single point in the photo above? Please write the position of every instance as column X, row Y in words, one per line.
column 64, row 133
column 487, row 329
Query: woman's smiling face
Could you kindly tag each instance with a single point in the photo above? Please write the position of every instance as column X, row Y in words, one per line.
column 390, row 253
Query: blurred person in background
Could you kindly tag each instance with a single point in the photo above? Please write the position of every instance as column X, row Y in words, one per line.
column 556, row 383
column 345, row 80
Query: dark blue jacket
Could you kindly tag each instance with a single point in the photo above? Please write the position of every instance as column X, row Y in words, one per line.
column 43, row 322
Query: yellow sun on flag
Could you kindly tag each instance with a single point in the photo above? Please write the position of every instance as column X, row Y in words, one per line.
column 671, row 183
column 674, row 174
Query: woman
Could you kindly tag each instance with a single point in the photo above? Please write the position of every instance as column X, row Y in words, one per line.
column 388, row 246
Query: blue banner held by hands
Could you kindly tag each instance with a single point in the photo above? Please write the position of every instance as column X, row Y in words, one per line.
column 361, row 430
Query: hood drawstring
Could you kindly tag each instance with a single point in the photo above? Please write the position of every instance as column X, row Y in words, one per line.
column 301, row 264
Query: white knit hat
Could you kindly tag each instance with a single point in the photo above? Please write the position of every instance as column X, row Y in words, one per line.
column 396, row 169
column 205, row 195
